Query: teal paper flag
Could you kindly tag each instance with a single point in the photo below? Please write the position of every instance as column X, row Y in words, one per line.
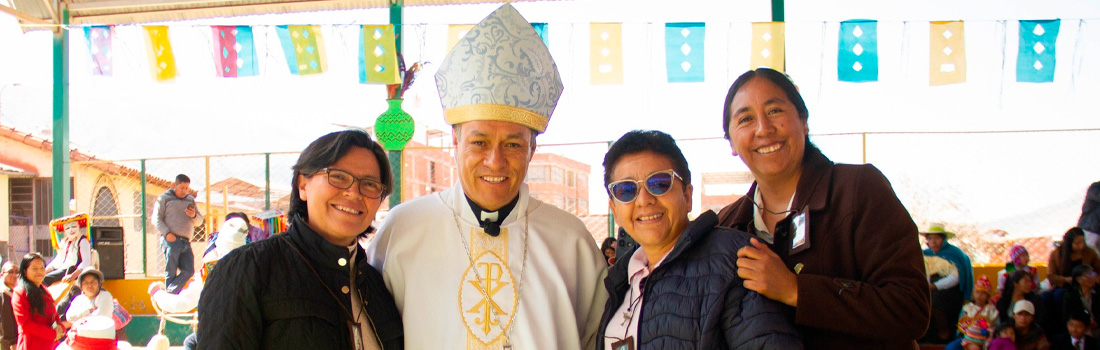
column 684, row 51
column 544, row 32
column 857, row 60
column 1036, row 59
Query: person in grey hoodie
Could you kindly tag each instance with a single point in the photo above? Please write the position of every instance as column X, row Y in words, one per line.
column 175, row 216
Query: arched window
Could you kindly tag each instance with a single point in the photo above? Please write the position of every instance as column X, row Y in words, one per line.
column 105, row 205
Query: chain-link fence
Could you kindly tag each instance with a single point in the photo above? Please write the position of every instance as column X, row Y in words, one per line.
column 992, row 189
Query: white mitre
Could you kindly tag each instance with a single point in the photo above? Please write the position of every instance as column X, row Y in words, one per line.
column 501, row 70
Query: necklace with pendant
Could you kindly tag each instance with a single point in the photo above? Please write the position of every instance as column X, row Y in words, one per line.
column 519, row 285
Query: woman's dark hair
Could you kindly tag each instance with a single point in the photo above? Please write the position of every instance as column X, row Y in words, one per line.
column 783, row 82
column 607, row 244
column 325, row 151
column 67, row 299
column 1005, row 302
column 1080, row 271
column 638, row 141
column 241, row 216
column 36, row 294
column 1066, row 247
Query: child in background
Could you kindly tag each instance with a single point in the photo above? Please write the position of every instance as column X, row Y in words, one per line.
column 1004, row 337
column 980, row 311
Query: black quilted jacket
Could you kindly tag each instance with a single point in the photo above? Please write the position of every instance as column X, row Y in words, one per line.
column 264, row 296
column 695, row 300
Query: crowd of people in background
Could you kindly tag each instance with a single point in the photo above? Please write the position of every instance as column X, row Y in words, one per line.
column 1057, row 312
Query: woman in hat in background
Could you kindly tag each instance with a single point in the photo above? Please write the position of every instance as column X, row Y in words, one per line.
column 948, row 294
column 1018, row 260
column 93, row 299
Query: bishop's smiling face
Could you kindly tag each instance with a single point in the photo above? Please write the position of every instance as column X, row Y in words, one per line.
column 492, row 159
column 766, row 130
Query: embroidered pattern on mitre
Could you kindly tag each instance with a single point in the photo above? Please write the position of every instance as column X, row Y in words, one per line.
column 501, row 70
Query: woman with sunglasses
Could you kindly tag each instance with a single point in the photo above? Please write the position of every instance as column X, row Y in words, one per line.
column 675, row 284
column 832, row 240
column 310, row 287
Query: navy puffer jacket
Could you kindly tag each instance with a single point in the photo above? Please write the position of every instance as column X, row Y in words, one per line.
column 695, row 300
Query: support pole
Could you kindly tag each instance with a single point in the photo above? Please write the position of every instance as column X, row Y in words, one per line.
column 267, row 181
column 610, row 213
column 144, row 224
column 395, row 165
column 864, row 147
column 777, row 11
column 62, row 188
column 778, row 15
column 396, row 19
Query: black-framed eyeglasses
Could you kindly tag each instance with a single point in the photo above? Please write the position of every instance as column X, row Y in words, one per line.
column 658, row 183
column 343, row 180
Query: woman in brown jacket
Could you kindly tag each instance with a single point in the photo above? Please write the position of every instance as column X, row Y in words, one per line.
column 1071, row 253
column 833, row 241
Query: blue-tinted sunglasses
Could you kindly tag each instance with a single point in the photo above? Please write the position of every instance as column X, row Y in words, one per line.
column 657, row 184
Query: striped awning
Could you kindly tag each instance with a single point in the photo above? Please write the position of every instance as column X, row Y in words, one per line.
column 145, row 11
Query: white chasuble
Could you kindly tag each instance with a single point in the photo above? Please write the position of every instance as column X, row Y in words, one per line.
column 457, row 287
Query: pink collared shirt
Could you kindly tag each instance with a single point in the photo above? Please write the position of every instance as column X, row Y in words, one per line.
column 620, row 327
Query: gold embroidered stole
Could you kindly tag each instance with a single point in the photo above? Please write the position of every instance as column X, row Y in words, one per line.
column 487, row 297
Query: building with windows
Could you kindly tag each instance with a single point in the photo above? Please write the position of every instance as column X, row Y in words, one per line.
column 560, row 181
column 101, row 189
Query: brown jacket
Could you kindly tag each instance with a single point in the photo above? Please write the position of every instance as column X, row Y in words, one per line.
column 1055, row 268
column 862, row 283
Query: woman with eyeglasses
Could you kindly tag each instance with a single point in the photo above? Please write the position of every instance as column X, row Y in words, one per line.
column 310, row 287
column 675, row 284
column 832, row 240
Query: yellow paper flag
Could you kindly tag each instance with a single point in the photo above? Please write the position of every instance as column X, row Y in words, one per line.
column 606, row 54
column 381, row 54
column 947, row 53
column 309, row 47
column 162, row 62
column 768, row 46
column 455, row 33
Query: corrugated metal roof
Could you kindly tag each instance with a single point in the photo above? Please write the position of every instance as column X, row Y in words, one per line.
column 144, row 11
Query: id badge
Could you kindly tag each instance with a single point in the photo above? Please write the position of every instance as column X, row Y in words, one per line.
column 800, row 225
column 625, row 344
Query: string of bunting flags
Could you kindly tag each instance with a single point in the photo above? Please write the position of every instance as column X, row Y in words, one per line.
column 235, row 52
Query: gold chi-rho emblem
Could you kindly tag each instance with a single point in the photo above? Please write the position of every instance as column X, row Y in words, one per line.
column 487, row 298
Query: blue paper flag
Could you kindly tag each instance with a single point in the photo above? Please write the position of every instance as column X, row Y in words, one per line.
column 544, row 32
column 1036, row 59
column 288, row 48
column 684, row 51
column 249, row 66
column 857, row 60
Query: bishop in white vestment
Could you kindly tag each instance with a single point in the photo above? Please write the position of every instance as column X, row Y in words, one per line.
column 484, row 265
